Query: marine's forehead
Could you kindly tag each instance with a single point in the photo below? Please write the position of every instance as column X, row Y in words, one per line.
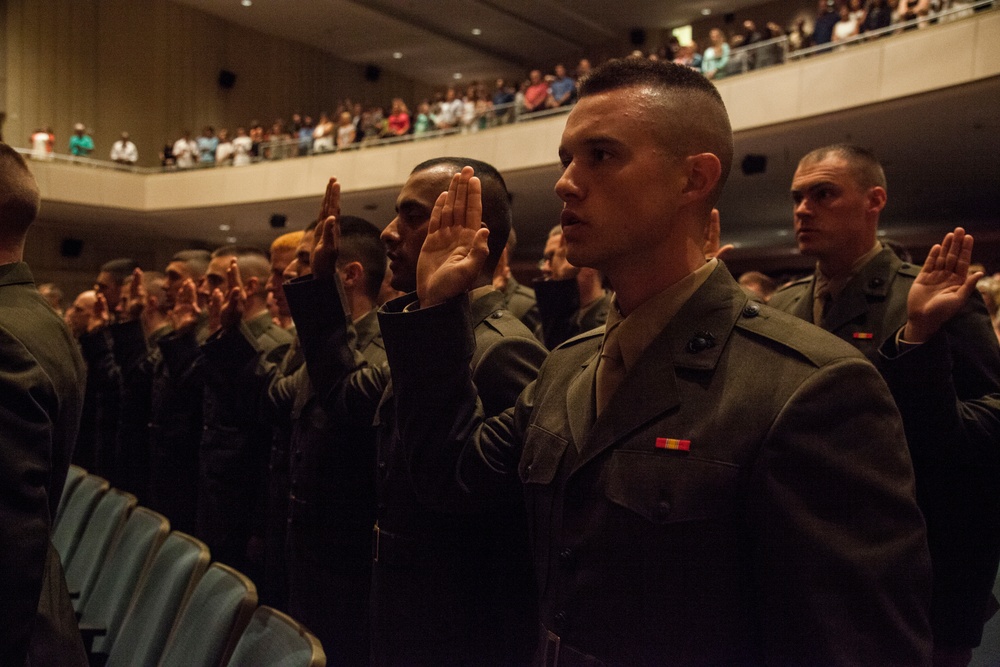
column 425, row 185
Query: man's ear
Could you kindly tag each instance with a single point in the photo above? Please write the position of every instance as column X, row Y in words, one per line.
column 250, row 285
column 352, row 274
column 876, row 199
column 703, row 173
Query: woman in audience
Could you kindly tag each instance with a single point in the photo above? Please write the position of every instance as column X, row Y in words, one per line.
column 399, row 119
column 846, row 27
column 323, row 135
column 346, row 130
column 242, row 147
column 224, row 151
column 423, row 122
column 716, row 57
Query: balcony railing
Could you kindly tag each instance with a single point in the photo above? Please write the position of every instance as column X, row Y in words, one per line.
column 757, row 56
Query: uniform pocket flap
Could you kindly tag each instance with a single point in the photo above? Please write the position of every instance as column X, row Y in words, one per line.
column 541, row 456
column 664, row 488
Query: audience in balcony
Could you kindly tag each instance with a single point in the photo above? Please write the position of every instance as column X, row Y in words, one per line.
column 124, row 151
column 747, row 49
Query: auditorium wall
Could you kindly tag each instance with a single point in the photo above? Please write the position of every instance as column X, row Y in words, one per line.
column 152, row 68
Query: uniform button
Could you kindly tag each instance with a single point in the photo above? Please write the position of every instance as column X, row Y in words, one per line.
column 559, row 620
column 701, row 341
column 381, row 465
column 566, row 557
column 876, row 282
column 751, row 310
column 497, row 314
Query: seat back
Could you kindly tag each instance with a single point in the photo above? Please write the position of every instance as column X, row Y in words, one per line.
column 128, row 557
column 273, row 639
column 212, row 619
column 106, row 521
column 176, row 568
column 67, row 530
column 73, row 476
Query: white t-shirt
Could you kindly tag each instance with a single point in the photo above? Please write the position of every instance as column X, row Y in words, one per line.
column 185, row 153
column 40, row 145
column 241, row 150
column 124, row 151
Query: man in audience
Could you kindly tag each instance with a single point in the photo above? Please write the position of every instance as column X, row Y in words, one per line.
column 282, row 254
column 41, row 385
column 185, row 151
column 518, row 299
column 143, row 320
column 110, row 279
column 176, row 387
column 445, row 589
column 933, row 363
column 562, row 90
column 234, row 451
column 81, row 143
column 124, row 151
column 571, row 300
column 700, row 478
column 537, row 92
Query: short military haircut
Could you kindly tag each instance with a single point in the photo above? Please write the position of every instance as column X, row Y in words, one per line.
column 864, row 166
column 196, row 261
column 252, row 262
column 695, row 118
column 287, row 242
column 360, row 241
column 19, row 196
column 120, row 268
column 496, row 200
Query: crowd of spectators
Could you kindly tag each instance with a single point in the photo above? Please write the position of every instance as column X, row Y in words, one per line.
column 731, row 50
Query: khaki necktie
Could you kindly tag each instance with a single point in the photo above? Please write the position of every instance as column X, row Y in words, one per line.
column 610, row 368
column 821, row 302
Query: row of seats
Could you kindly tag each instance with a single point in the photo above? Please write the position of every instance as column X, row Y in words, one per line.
column 147, row 596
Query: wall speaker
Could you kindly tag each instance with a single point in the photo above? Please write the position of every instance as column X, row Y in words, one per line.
column 71, row 248
column 637, row 36
column 227, row 79
column 372, row 73
column 754, row 164
column 278, row 220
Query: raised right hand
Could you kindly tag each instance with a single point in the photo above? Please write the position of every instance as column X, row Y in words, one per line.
column 455, row 249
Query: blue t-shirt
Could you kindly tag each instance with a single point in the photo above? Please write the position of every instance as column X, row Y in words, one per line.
column 206, row 147
column 81, row 146
column 560, row 87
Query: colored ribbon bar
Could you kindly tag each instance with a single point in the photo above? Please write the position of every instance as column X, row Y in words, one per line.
column 673, row 443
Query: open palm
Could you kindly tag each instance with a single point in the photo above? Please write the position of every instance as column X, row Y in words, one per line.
column 454, row 252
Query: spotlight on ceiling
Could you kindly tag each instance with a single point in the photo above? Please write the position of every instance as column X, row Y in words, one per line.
column 456, row 75
column 477, row 32
column 706, row 11
column 246, row 3
column 397, row 55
